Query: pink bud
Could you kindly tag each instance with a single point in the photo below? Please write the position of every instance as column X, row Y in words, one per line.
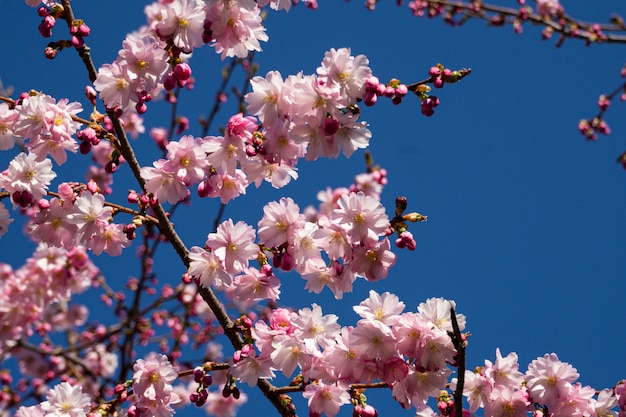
column 84, row 30
column 389, row 92
column 371, row 84
column 110, row 167
column 84, row 148
column 50, row 53
column 287, row 263
column 182, row 71
column 92, row 186
column 133, row 197
column 169, row 82
column 43, row 204
column 330, row 126
column 370, row 98
column 267, row 270
column 204, row 189
column 78, row 41
column 402, row 90
column 141, row 107
column 434, row 72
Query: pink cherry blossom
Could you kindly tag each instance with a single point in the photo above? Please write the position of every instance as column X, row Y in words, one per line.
column 280, row 222
column 144, row 60
column 182, row 21
column 27, row 174
column 253, row 284
column 7, row 119
column 504, row 371
column 349, row 73
column 373, row 263
column 277, row 174
column 507, row 402
column 226, row 186
column 48, row 126
column 114, row 84
column 233, row 244
column 314, row 329
column 362, row 216
column 318, row 275
column 52, row 226
column 326, row 399
column 111, row 240
column 5, row 219
column 385, row 307
column 91, row 216
column 373, row 339
column 219, row 406
column 164, row 184
column 548, row 8
column 186, row 159
column 207, row 268
column 437, row 311
column 236, row 27
column 64, row 400
column 153, row 377
column 264, row 100
column 549, row 380
column 288, row 354
column 251, row 368
column 477, row 389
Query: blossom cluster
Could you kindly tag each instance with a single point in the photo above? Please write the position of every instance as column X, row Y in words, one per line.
column 174, row 30
column 76, row 216
column 408, row 351
column 548, row 388
column 303, row 116
column 46, row 126
column 30, row 294
column 347, row 231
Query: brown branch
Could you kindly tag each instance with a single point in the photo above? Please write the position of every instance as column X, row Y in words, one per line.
column 459, row 345
column 566, row 25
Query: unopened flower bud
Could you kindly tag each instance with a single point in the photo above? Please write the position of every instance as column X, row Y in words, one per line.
column 50, row 53
column 182, row 71
column 414, row 217
column 198, row 374
column 401, row 205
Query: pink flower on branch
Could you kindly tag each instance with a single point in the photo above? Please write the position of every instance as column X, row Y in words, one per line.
column 233, row 244
column 27, row 175
column 373, row 263
column 280, row 222
column 182, row 22
column 207, row 268
column 236, row 27
column 256, row 285
column 5, row 219
column 153, row 377
column 326, row 399
column 363, row 218
column 64, row 400
column 90, row 215
column 549, row 380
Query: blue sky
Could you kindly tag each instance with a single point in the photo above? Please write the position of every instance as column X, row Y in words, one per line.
column 526, row 228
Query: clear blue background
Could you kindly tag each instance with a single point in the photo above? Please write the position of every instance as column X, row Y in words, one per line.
column 526, row 228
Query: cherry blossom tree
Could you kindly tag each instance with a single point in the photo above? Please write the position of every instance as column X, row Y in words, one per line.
column 155, row 345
